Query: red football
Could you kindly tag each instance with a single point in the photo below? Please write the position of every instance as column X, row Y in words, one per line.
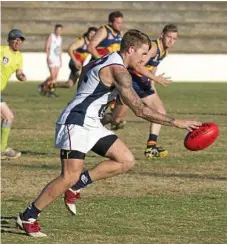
column 202, row 137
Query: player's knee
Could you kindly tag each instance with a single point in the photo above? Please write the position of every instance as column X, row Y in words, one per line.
column 70, row 179
column 129, row 162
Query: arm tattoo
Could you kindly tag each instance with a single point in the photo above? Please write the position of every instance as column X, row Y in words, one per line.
column 123, row 82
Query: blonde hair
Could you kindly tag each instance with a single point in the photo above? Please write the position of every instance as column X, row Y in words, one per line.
column 134, row 38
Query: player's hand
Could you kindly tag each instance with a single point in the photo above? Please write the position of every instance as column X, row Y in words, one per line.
column 162, row 80
column 78, row 65
column 23, row 77
column 48, row 61
column 189, row 125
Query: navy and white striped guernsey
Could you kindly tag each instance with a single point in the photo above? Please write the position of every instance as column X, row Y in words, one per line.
column 91, row 100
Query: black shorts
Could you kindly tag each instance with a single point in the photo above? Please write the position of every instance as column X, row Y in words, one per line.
column 101, row 148
column 73, row 68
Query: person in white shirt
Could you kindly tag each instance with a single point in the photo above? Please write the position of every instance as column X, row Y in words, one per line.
column 53, row 47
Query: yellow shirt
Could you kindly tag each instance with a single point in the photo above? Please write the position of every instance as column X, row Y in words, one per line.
column 10, row 63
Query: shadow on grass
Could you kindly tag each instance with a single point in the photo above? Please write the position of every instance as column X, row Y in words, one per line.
column 181, row 175
column 32, row 153
column 8, row 225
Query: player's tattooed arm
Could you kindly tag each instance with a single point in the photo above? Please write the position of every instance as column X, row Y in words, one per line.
column 123, row 82
column 99, row 36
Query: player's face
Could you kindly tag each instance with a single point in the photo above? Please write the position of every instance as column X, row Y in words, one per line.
column 118, row 24
column 58, row 31
column 169, row 39
column 138, row 55
column 16, row 44
column 91, row 34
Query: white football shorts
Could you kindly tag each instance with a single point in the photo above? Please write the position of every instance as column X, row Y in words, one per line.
column 82, row 139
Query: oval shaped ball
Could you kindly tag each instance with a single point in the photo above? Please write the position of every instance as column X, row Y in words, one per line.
column 202, row 137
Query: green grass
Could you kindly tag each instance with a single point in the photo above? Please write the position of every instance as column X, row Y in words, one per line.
column 178, row 200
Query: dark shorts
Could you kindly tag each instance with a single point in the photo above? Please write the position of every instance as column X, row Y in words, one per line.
column 141, row 90
column 100, row 148
column 73, row 68
column 142, row 85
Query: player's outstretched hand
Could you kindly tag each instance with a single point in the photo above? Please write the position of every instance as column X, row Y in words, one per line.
column 162, row 80
column 189, row 125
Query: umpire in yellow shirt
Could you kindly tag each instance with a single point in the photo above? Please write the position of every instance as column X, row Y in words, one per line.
column 11, row 61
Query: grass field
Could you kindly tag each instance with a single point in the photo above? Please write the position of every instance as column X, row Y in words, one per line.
column 178, row 200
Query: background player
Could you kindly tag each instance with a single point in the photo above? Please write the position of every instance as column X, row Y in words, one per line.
column 11, row 61
column 53, row 47
column 147, row 92
column 108, row 38
column 78, row 51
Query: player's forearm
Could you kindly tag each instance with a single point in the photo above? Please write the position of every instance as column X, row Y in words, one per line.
column 93, row 51
column 154, row 116
column 145, row 72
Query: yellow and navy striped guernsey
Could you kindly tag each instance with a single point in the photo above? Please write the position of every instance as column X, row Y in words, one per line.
column 10, row 62
column 81, row 53
column 111, row 43
column 160, row 55
column 142, row 81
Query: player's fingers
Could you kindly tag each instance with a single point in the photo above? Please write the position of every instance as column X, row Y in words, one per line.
column 188, row 128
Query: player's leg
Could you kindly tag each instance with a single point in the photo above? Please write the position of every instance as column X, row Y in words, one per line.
column 50, row 85
column 118, row 116
column 72, row 165
column 43, row 88
column 152, row 150
column 120, row 161
column 73, row 78
column 6, row 122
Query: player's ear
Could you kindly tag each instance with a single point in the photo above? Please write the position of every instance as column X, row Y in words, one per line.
column 162, row 35
column 131, row 49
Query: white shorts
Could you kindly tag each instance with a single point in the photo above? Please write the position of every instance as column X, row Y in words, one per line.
column 78, row 138
column 54, row 62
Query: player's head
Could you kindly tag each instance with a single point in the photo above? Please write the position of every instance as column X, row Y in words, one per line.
column 90, row 32
column 58, row 29
column 116, row 20
column 135, row 45
column 15, row 39
column 169, row 35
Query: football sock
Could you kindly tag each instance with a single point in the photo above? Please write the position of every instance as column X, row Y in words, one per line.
column 31, row 212
column 84, row 180
column 152, row 140
column 5, row 130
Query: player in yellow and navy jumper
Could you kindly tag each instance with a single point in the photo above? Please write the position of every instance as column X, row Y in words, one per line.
column 78, row 52
column 108, row 38
column 144, row 88
column 11, row 62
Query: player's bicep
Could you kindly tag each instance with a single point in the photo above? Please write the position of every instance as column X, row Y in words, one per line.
column 99, row 36
column 123, row 82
